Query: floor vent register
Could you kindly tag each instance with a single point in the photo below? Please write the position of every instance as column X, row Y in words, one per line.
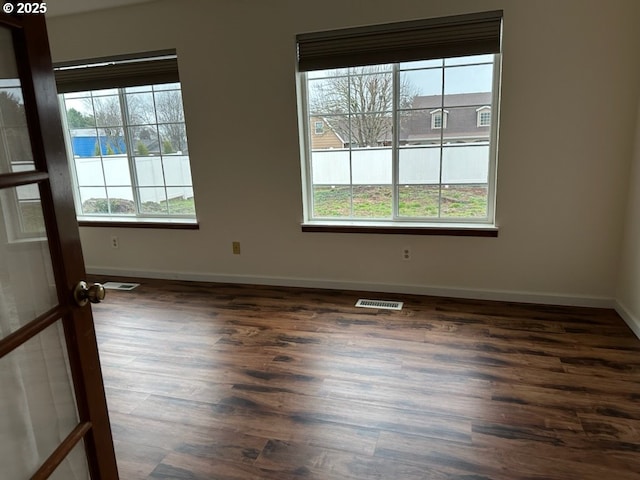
column 120, row 286
column 382, row 304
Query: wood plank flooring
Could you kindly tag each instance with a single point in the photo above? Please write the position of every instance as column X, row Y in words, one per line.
column 211, row 381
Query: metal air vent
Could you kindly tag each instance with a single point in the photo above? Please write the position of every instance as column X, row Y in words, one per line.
column 120, row 286
column 382, row 304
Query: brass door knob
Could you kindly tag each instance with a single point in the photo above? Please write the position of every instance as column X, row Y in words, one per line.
column 85, row 293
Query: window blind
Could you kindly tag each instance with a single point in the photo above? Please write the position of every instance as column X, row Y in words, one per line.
column 117, row 72
column 460, row 35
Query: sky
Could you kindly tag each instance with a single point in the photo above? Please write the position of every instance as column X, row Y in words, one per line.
column 462, row 75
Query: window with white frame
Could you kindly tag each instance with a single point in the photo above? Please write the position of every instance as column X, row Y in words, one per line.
column 439, row 119
column 127, row 139
column 412, row 149
column 319, row 127
column 484, row 116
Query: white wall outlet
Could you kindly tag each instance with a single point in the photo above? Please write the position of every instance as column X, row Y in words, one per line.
column 115, row 243
column 406, row 254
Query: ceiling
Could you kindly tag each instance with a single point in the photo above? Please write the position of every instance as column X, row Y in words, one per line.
column 65, row 7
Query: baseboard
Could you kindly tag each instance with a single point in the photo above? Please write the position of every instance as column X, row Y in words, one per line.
column 628, row 317
column 476, row 294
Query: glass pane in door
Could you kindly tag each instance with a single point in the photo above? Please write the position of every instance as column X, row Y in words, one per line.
column 37, row 404
column 15, row 146
column 74, row 467
column 37, row 399
column 27, row 285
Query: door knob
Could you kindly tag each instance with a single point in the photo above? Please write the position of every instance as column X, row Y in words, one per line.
column 84, row 293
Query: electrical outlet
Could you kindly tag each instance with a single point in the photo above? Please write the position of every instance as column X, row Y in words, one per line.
column 236, row 248
column 406, row 253
column 115, row 243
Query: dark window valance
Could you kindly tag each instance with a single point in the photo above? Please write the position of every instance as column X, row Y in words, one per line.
column 460, row 35
column 117, row 72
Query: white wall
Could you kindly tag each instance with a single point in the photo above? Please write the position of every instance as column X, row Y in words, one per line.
column 570, row 89
column 628, row 293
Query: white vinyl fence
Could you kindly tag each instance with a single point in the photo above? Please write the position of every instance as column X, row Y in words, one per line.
column 461, row 164
column 153, row 173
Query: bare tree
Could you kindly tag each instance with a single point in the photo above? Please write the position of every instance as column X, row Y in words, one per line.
column 170, row 114
column 108, row 117
column 144, row 111
column 359, row 103
column 13, row 129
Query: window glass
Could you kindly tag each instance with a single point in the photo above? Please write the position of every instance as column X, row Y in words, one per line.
column 402, row 142
column 130, row 151
column 15, row 145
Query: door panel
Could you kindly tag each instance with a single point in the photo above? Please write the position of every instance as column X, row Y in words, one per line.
column 26, row 273
column 54, row 421
column 37, row 389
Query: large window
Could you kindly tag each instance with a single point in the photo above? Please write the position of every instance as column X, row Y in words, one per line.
column 130, row 156
column 413, row 146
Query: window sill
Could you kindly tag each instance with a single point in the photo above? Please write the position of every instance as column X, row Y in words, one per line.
column 448, row 229
column 132, row 222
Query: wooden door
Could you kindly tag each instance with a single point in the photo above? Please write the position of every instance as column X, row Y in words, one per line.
column 51, row 392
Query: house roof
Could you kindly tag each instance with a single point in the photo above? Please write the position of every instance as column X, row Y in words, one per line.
column 461, row 123
column 453, row 100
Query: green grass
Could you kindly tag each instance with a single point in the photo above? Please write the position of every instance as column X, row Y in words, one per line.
column 414, row 201
column 175, row 206
column 368, row 202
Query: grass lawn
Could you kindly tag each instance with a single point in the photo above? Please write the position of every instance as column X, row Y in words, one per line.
column 414, row 201
column 175, row 206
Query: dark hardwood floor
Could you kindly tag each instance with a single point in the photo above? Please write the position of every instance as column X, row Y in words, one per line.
column 208, row 381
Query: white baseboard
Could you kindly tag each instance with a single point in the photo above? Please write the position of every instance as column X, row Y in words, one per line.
column 476, row 294
column 628, row 317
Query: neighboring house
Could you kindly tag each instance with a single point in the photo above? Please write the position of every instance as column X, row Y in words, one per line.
column 323, row 135
column 466, row 117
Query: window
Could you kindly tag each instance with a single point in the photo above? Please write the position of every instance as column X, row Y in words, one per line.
column 405, row 103
column 438, row 120
column 484, row 117
column 21, row 208
column 319, row 128
column 126, row 134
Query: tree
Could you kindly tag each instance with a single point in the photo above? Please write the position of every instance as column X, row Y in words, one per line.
column 77, row 119
column 143, row 111
column 11, row 110
column 142, row 149
column 170, row 116
column 167, row 147
column 361, row 98
column 108, row 119
column 13, row 126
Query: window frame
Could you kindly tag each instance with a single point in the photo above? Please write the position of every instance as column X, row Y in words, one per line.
column 456, row 226
column 416, row 40
column 15, row 223
column 152, row 70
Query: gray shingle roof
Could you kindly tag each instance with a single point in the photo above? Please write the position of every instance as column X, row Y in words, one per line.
column 453, row 100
